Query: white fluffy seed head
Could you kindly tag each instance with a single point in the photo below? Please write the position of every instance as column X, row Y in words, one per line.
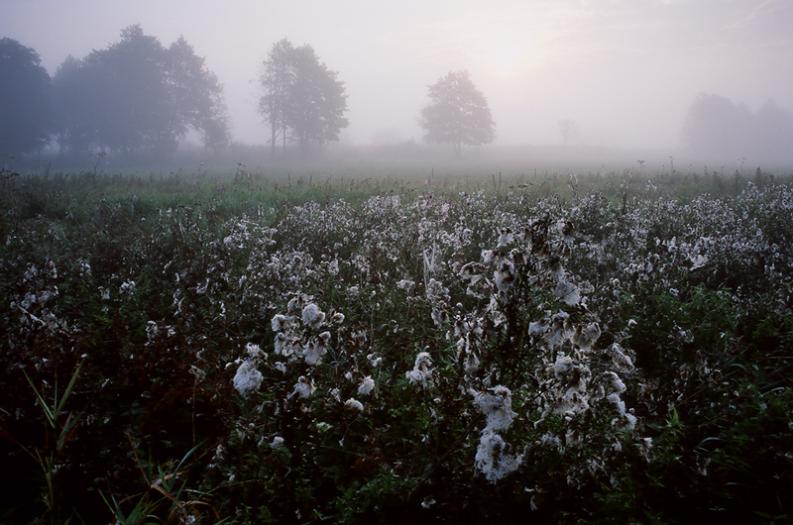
column 353, row 404
column 366, row 386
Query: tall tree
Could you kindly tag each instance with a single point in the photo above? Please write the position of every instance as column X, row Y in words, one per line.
column 25, row 109
column 303, row 99
column 277, row 81
column 137, row 96
column 197, row 94
column 458, row 113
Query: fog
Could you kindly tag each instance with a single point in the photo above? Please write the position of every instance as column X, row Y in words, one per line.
column 626, row 72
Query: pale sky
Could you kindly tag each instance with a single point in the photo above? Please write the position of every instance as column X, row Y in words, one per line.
column 624, row 70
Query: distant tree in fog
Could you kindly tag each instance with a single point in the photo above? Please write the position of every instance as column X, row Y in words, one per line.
column 303, row 100
column 25, row 110
column 718, row 128
column 458, row 113
column 137, row 96
column 715, row 125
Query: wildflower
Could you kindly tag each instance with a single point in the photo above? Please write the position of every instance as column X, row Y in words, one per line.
column 248, row 378
column 312, row 316
column 493, row 459
column 505, row 236
column 280, row 322
column 562, row 365
column 85, row 268
column 405, row 284
column 496, row 405
column 422, row 370
column 353, row 404
column 127, row 287
column 621, row 361
column 374, row 360
column 619, row 404
column 698, row 261
column 277, row 442
column 303, row 388
column 504, row 275
column 567, row 292
column 151, row 331
column 254, row 351
column 281, row 345
column 587, row 336
column 471, row 363
column 315, row 348
column 333, row 267
column 537, row 328
column 198, row 373
column 615, row 382
column 366, row 386
column 472, row 272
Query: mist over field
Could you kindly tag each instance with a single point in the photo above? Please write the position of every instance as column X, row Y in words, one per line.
column 615, row 79
column 362, row 262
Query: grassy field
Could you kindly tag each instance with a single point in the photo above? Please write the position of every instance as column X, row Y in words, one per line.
column 298, row 347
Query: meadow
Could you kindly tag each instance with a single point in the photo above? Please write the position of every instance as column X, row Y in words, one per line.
column 298, row 347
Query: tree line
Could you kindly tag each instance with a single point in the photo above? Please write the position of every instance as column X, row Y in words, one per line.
column 139, row 97
column 718, row 128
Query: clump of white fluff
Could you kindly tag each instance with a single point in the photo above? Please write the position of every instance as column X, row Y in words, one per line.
column 493, row 459
column 366, row 386
column 496, row 405
column 312, row 316
column 421, row 374
column 303, row 388
column 247, row 379
column 354, row 404
column 315, row 348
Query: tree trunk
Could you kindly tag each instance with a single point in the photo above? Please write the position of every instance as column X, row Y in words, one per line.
column 273, row 136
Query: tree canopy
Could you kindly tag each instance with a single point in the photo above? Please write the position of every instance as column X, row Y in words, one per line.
column 25, row 110
column 137, row 96
column 458, row 113
column 303, row 100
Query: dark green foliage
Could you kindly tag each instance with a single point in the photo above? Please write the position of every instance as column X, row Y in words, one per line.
column 152, row 429
column 25, row 100
column 137, row 97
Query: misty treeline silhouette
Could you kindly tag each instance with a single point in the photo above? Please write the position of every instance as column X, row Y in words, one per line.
column 138, row 97
column 718, row 128
column 134, row 97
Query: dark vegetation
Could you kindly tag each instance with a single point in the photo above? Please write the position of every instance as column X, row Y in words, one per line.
column 131, row 303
